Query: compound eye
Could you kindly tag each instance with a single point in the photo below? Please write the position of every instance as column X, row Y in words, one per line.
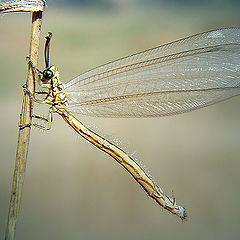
column 47, row 74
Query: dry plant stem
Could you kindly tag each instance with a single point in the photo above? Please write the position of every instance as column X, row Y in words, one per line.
column 24, row 132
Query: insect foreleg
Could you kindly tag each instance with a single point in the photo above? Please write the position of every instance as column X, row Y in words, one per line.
column 25, row 89
column 48, row 120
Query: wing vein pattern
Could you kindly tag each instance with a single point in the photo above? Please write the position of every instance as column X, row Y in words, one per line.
column 177, row 77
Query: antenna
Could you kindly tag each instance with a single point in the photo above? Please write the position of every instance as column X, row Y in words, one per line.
column 46, row 50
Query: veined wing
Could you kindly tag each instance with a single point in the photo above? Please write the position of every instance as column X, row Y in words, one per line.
column 173, row 78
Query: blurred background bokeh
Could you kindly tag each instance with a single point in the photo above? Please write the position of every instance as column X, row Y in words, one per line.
column 74, row 191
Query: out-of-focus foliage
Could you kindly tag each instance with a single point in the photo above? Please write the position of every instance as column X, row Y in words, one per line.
column 74, row 191
column 87, row 3
column 158, row 3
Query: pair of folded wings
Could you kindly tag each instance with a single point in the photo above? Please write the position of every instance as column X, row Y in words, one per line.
column 174, row 78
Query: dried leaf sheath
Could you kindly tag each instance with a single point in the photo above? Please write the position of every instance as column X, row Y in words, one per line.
column 128, row 163
column 22, row 6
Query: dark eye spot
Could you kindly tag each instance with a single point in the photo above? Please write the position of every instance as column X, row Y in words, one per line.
column 47, row 74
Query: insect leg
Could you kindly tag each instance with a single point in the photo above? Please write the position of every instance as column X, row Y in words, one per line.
column 48, row 120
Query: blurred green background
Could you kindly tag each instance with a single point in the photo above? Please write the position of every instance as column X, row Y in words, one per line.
column 74, row 191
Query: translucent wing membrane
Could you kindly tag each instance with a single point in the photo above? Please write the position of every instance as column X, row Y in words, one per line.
column 170, row 79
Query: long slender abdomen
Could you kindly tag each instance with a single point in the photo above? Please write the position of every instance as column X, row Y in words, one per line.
column 152, row 189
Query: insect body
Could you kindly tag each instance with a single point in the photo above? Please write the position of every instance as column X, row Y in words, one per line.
column 174, row 78
column 58, row 103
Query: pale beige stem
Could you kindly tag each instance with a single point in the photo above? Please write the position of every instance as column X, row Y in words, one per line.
column 24, row 132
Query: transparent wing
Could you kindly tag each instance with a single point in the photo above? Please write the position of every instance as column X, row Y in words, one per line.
column 173, row 78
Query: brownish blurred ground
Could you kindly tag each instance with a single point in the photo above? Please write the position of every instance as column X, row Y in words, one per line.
column 74, row 191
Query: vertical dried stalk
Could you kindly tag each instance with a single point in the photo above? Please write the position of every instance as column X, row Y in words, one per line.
column 24, row 132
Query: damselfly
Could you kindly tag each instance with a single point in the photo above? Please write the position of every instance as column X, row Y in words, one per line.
column 174, row 78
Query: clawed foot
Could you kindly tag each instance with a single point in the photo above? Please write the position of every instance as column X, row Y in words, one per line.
column 24, row 126
column 30, row 63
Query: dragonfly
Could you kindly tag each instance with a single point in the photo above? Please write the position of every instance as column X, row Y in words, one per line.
column 174, row 78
